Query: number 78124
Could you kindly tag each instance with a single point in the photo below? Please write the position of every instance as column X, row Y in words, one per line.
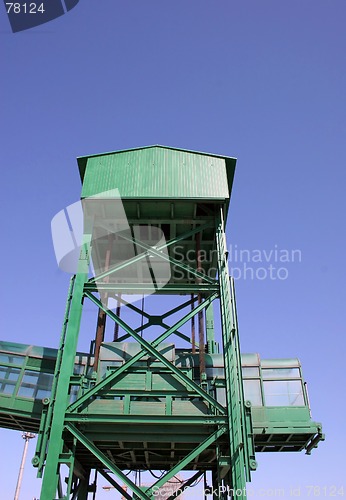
column 25, row 8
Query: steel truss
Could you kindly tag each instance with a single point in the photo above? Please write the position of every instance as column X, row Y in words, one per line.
column 63, row 423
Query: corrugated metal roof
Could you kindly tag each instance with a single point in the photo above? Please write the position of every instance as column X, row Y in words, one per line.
column 158, row 172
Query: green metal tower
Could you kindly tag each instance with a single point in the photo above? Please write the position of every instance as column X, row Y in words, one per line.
column 159, row 394
column 186, row 195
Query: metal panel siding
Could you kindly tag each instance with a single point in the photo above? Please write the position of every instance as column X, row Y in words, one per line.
column 189, row 408
column 157, row 173
column 105, row 406
column 281, row 416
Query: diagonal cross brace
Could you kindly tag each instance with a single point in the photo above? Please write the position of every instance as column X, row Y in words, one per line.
column 115, row 484
column 186, row 460
column 106, row 461
column 154, row 352
column 113, row 376
column 162, row 316
column 157, row 251
column 187, row 483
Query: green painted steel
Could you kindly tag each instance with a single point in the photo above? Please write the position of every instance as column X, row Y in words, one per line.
column 63, row 373
column 153, row 399
column 148, row 348
column 233, row 377
column 275, row 428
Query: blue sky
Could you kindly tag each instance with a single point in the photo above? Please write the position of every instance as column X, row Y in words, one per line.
column 261, row 80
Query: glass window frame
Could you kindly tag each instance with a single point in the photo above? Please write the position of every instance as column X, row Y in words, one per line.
column 286, row 378
column 257, row 377
column 37, row 388
column 8, row 369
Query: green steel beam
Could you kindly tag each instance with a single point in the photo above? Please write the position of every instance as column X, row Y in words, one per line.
column 234, row 399
column 187, row 483
column 246, row 421
column 180, row 438
column 41, row 443
column 63, row 374
column 250, row 445
column 115, row 484
column 142, row 288
column 145, row 419
column 47, row 414
column 154, row 393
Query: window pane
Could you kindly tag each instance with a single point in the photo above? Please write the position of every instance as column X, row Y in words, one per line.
column 78, row 369
column 35, row 385
column 42, row 393
column 74, row 393
column 250, row 371
column 9, row 373
column 8, row 379
column 215, row 372
column 275, row 373
column 221, row 395
column 252, row 392
column 8, row 388
column 283, row 393
column 9, row 358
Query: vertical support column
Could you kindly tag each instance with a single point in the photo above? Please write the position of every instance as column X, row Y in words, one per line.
column 62, row 375
column 233, row 376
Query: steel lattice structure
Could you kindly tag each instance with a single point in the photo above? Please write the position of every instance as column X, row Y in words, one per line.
column 141, row 402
